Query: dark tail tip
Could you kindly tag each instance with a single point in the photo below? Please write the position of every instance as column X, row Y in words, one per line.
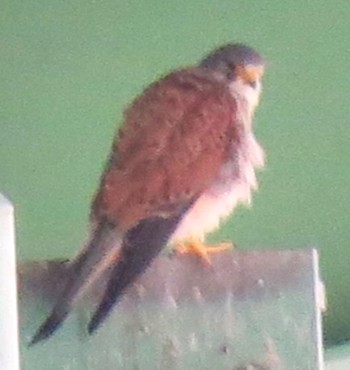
column 47, row 328
column 97, row 319
column 93, row 325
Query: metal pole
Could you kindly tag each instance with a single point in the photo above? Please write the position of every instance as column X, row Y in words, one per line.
column 9, row 347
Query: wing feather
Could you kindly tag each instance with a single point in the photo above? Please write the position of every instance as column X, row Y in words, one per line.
column 174, row 140
column 176, row 137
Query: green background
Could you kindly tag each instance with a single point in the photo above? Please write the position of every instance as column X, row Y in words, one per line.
column 68, row 68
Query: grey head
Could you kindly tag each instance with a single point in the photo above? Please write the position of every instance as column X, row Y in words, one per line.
column 235, row 60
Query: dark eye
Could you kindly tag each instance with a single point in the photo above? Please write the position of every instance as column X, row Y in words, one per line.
column 230, row 74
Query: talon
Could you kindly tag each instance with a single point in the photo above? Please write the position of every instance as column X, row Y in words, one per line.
column 202, row 250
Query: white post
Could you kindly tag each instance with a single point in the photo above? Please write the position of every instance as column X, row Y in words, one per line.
column 9, row 345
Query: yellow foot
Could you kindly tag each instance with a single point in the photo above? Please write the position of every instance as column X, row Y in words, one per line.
column 202, row 250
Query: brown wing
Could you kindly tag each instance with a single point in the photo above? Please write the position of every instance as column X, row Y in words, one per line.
column 174, row 139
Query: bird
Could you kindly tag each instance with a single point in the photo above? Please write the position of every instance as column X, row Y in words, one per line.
column 183, row 158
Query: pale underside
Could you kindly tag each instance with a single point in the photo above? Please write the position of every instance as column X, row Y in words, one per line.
column 234, row 185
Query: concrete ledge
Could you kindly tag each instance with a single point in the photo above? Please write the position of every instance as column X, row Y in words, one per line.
column 250, row 309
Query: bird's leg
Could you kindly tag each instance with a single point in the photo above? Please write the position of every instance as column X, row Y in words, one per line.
column 199, row 248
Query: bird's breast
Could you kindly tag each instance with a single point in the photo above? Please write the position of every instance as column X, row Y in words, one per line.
column 233, row 185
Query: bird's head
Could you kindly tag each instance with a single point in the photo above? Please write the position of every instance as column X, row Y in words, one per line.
column 240, row 66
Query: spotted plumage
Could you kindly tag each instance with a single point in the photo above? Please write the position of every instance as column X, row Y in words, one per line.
column 184, row 157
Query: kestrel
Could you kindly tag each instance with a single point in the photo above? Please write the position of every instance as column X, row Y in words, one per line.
column 184, row 157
